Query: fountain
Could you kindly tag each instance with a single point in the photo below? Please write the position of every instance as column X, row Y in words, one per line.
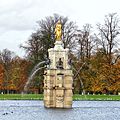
column 33, row 72
column 58, row 76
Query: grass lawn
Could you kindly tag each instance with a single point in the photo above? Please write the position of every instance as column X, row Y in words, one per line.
column 21, row 97
column 75, row 97
column 97, row 97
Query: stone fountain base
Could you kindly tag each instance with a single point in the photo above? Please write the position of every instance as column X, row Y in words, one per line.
column 58, row 90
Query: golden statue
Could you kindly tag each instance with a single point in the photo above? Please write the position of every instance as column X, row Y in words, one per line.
column 58, row 31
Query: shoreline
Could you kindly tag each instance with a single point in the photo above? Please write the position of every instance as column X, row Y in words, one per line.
column 76, row 97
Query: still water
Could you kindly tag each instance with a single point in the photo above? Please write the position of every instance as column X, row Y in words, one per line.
column 82, row 110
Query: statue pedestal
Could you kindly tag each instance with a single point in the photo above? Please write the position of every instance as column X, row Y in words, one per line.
column 58, row 79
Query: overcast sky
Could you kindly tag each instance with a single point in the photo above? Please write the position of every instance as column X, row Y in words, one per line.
column 18, row 17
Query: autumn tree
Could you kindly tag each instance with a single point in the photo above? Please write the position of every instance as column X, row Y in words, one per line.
column 5, row 59
column 19, row 74
column 1, row 77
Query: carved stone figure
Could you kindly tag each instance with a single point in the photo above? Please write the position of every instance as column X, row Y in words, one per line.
column 59, row 64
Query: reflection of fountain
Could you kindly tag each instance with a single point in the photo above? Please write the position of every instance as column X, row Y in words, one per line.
column 33, row 72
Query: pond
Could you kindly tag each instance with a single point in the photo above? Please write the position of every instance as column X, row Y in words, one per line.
column 82, row 110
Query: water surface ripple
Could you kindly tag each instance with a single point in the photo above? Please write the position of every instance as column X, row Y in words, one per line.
column 82, row 110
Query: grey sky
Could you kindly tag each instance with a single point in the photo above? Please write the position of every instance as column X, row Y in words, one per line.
column 18, row 17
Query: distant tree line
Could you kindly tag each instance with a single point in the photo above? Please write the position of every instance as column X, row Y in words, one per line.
column 95, row 56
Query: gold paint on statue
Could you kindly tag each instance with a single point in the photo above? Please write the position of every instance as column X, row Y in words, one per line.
column 58, row 31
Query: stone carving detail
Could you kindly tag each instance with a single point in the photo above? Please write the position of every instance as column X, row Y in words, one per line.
column 59, row 99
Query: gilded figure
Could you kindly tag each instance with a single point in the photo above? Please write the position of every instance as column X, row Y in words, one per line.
column 58, row 31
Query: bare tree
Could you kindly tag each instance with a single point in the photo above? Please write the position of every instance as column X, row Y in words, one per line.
column 44, row 38
column 85, row 42
column 109, row 33
column 34, row 48
column 47, row 28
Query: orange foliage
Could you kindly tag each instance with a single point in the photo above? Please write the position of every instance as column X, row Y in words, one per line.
column 1, row 76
